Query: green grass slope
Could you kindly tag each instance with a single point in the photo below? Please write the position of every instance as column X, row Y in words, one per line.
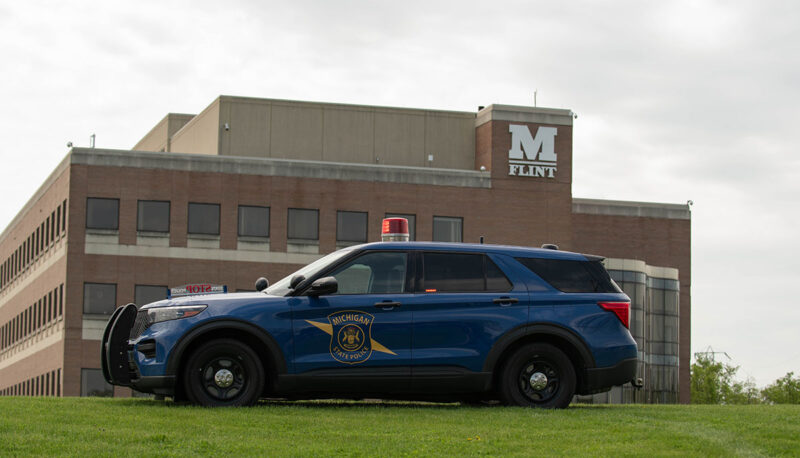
column 137, row 427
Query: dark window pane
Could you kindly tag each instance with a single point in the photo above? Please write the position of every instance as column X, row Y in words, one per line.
column 373, row 273
column 254, row 221
column 495, row 278
column 303, row 224
column 572, row 276
column 447, row 229
column 102, row 213
column 204, row 219
column 351, row 226
column 93, row 384
column 453, row 272
column 145, row 294
column 153, row 216
column 99, row 298
column 412, row 223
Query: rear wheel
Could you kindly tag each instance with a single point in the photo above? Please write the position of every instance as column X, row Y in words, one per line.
column 538, row 375
column 224, row 372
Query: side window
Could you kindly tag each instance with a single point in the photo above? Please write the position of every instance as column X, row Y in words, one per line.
column 373, row 273
column 453, row 272
column 462, row 273
column 495, row 278
column 571, row 276
column 152, row 216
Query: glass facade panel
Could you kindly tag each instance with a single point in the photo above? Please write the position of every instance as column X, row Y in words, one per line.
column 253, row 221
column 303, row 224
column 447, row 229
column 145, row 294
column 99, row 298
column 203, row 219
column 102, row 213
column 152, row 216
column 351, row 226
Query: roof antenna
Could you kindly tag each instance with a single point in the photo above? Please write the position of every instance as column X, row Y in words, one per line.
column 481, row 240
column 91, row 141
column 534, row 97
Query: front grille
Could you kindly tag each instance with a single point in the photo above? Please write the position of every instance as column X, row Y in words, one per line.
column 141, row 324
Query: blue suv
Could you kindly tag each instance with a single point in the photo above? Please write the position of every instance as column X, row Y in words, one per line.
column 391, row 320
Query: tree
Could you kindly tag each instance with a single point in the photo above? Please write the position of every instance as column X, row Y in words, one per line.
column 714, row 382
column 785, row 390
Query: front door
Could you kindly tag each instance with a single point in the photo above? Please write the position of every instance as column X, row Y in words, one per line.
column 359, row 338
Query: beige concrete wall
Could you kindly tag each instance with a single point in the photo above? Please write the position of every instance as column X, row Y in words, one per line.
column 201, row 135
column 343, row 133
column 158, row 139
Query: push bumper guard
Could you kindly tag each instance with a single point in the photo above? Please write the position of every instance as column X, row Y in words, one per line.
column 114, row 349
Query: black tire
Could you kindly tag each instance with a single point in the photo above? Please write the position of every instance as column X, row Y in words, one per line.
column 518, row 377
column 241, row 374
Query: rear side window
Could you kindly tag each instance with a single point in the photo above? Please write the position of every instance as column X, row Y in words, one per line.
column 572, row 276
column 462, row 273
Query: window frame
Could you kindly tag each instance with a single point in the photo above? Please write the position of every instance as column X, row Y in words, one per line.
column 169, row 216
column 189, row 213
column 421, row 288
column 433, row 228
column 84, row 312
column 288, row 225
column 239, row 220
column 408, row 281
column 116, row 225
column 366, row 226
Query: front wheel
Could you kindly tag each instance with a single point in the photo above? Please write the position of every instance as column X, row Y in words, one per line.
column 538, row 375
column 224, row 372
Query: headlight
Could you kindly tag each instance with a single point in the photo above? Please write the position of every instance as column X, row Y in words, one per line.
column 159, row 314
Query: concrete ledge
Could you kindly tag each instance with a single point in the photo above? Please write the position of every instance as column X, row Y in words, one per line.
column 281, row 167
column 516, row 113
column 635, row 209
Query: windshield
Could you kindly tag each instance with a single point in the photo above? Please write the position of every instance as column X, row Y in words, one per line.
column 281, row 288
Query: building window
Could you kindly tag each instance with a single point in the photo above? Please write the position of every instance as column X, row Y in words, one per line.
column 303, row 224
column 204, row 219
column 412, row 223
column 152, row 216
column 102, row 213
column 93, row 384
column 145, row 294
column 99, row 298
column 447, row 229
column 351, row 226
column 253, row 221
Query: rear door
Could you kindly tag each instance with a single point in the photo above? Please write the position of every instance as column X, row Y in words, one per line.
column 465, row 303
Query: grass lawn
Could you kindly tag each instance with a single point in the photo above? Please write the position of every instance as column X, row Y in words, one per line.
column 95, row 426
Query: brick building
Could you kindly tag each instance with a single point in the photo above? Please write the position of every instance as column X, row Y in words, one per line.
column 256, row 187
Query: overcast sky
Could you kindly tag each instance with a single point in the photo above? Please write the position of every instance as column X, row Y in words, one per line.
column 675, row 101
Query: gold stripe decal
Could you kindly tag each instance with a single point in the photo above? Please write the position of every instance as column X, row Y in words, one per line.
column 327, row 328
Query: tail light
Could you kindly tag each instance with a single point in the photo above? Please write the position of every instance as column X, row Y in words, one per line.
column 621, row 309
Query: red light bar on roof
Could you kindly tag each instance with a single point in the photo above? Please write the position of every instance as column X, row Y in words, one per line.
column 394, row 230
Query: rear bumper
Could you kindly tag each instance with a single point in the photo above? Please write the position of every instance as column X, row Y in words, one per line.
column 600, row 379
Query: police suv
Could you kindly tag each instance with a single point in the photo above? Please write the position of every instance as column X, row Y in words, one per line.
column 390, row 320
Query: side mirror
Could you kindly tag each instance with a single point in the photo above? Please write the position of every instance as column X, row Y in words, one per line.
column 261, row 284
column 324, row 285
column 296, row 280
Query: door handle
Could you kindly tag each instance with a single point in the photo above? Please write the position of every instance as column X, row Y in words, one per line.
column 505, row 300
column 387, row 304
